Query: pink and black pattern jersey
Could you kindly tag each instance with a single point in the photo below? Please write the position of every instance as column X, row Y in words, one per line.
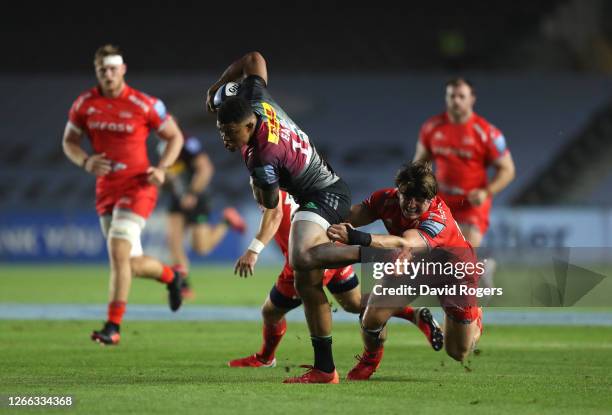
column 281, row 154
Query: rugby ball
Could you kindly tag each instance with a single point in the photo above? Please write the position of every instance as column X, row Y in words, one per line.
column 230, row 89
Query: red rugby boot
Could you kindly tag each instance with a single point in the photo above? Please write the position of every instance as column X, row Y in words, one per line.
column 314, row 376
column 367, row 364
column 251, row 361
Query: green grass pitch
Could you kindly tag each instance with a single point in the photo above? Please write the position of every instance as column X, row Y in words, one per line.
column 180, row 367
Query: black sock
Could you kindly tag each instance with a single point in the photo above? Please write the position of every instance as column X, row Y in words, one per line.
column 324, row 360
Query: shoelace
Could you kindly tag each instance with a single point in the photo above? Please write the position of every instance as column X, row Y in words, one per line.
column 364, row 359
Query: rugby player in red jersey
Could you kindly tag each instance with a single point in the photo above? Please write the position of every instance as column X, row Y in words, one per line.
column 342, row 283
column 118, row 119
column 463, row 145
column 417, row 221
column 278, row 154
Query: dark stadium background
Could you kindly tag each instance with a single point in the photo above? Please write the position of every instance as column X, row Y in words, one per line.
column 359, row 78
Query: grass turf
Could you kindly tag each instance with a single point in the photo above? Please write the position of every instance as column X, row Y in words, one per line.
column 180, row 368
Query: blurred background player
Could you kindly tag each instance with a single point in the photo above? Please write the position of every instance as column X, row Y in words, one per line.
column 463, row 145
column 278, row 154
column 343, row 283
column 117, row 119
column 189, row 207
column 418, row 221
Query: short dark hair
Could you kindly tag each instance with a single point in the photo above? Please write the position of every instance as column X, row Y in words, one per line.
column 458, row 80
column 234, row 110
column 417, row 180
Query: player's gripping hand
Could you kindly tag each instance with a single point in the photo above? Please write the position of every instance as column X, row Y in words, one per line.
column 246, row 264
column 477, row 196
column 338, row 233
column 210, row 95
column 98, row 165
column 156, row 176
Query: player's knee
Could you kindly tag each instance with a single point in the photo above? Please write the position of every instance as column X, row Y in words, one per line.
column 136, row 265
column 352, row 307
column 301, row 260
column 119, row 249
column 304, row 286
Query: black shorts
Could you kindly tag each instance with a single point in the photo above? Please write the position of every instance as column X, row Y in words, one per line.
column 332, row 203
column 198, row 215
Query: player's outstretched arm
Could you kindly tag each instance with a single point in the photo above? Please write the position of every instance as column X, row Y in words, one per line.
column 270, row 222
column 346, row 234
column 253, row 63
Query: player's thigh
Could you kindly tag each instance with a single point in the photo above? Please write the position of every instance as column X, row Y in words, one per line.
column 350, row 300
column 272, row 313
column 200, row 232
column 175, row 227
column 304, row 235
column 125, row 230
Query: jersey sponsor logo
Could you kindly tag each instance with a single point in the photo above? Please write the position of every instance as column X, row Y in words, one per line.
column 272, row 123
column 92, row 110
column 139, row 103
column 438, row 136
column 431, row 227
column 467, row 140
column 118, row 127
column 125, row 114
column 447, row 151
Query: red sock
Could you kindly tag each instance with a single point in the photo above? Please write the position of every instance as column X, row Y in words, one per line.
column 272, row 335
column 167, row 274
column 407, row 313
column 116, row 309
